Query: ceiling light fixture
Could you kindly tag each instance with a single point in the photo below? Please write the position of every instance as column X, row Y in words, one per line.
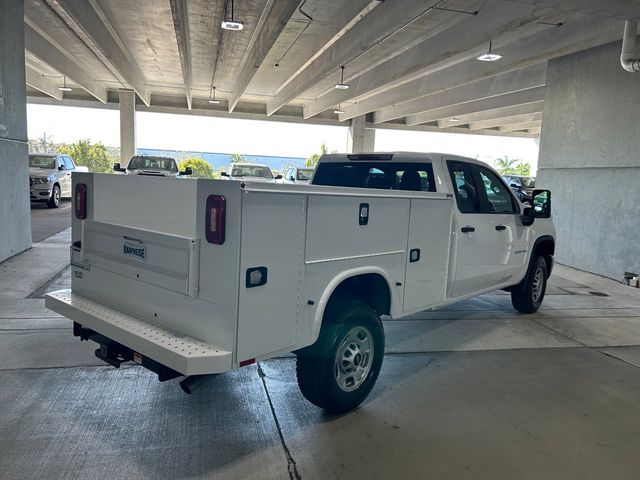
column 64, row 87
column 212, row 99
column 489, row 56
column 342, row 85
column 454, row 119
column 232, row 24
column 338, row 110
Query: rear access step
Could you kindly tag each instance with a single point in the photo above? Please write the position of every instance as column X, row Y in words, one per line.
column 183, row 354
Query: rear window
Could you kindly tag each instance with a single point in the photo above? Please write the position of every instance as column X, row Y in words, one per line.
column 381, row 175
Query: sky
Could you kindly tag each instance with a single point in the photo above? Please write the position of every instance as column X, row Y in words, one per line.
column 167, row 131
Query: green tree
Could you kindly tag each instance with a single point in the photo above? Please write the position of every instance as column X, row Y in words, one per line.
column 312, row 161
column 94, row 156
column 237, row 158
column 523, row 169
column 506, row 165
column 201, row 168
column 44, row 144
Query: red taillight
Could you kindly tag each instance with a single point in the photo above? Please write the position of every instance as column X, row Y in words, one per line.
column 80, row 198
column 250, row 361
column 215, row 219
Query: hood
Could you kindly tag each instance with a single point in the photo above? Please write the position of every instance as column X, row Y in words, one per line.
column 40, row 172
column 253, row 179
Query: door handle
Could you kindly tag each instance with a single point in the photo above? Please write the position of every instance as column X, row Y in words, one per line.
column 501, row 227
column 467, row 229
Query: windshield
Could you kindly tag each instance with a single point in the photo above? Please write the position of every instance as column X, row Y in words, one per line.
column 304, row 174
column 528, row 182
column 153, row 163
column 42, row 161
column 251, row 171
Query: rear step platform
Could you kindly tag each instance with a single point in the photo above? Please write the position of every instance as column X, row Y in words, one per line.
column 183, row 354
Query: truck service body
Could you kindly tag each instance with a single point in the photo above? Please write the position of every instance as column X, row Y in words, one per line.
column 204, row 276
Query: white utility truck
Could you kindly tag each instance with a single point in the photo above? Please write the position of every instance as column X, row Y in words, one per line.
column 201, row 277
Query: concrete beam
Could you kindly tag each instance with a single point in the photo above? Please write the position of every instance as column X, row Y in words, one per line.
column 520, row 126
column 620, row 9
column 575, row 35
column 513, row 110
column 534, row 131
column 39, row 82
column 275, row 17
column 494, row 19
column 383, row 19
column 180, row 13
column 90, row 24
column 503, row 121
column 529, row 77
column 50, row 53
column 501, row 101
column 433, row 128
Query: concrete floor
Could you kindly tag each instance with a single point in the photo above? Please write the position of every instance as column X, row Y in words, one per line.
column 474, row 391
column 47, row 221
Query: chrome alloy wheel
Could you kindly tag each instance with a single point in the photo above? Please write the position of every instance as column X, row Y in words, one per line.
column 538, row 284
column 353, row 358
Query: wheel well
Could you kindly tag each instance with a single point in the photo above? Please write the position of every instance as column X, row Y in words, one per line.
column 370, row 288
column 545, row 248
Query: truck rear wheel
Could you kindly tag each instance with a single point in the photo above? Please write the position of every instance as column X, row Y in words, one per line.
column 338, row 371
column 527, row 296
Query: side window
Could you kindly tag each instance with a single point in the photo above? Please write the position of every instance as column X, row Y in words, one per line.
column 419, row 179
column 498, row 197
column 464, row 187
column 68, row 164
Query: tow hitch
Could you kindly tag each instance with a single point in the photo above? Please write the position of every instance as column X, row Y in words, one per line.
column 115, row 353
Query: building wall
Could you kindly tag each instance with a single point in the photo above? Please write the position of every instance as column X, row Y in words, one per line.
column 590, row 159
column 15, row 219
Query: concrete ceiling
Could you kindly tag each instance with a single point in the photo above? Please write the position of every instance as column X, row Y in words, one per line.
column 410, row 64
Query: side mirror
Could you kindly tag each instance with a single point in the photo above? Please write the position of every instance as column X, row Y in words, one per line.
column 527, row 216
column 514, row 185
column 187, row 171
column 292, row 178
column 60, row 167
column 224, row 174
column 541, row 201
column 278, row 177
column 118, row 168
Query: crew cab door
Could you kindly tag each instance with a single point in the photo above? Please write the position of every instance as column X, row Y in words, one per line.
column 487, row 233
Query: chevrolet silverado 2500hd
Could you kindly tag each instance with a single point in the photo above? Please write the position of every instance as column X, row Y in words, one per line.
column 217, row 274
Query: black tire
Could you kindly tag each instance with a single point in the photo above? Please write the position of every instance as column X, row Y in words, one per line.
column 527, row 296
column 54, row 201
column 332, row 385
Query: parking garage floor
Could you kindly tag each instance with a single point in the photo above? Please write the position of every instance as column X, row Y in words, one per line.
column 474, row 391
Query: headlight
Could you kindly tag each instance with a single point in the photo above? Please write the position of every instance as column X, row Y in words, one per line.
column 42, row 180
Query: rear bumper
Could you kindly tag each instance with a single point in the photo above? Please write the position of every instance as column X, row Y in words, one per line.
column 183, row 354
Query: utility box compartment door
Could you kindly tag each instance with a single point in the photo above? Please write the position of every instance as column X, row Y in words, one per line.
column 166, row 261
column 271, row 273
column 427, row 253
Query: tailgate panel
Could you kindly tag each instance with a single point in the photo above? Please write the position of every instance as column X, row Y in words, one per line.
column 166, row 261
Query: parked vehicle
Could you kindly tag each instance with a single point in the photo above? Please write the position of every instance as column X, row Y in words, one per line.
column 50, row 177
column 219, row 275
column 250, row 172
column 522, row 186
column 152, row 166
column 298, row 175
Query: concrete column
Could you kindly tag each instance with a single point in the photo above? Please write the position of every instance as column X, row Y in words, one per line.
column 15, row 214
column 127, row 126
column 589, row 160
column 360, row 139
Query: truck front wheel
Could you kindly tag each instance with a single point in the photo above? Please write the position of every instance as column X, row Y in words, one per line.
column 527, row 296
column 338, row 371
